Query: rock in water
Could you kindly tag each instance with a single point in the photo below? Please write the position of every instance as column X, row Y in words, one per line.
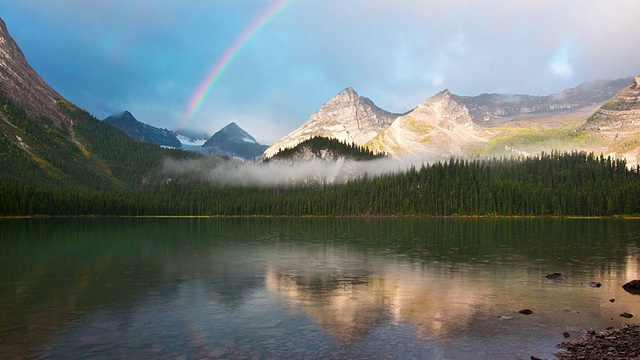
column 632, row 287
column 526, row 311
column 555, row 277
column 594, row 284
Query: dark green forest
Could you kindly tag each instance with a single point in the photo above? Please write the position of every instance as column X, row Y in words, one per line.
column 102, row 157
column 571, row 184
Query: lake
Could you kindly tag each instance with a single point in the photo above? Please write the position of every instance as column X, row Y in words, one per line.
column 307, row 288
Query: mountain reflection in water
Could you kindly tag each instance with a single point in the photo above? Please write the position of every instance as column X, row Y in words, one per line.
column 439, row 302
column 309, row 288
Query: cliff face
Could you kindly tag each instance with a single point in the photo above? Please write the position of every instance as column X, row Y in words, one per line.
column 440, row 126
column 347, row 117
column 489, row 109
column 22, row 85
column 622, row 111
column 617, row 123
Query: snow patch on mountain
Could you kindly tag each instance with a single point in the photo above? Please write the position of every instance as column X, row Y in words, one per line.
column 188, row 141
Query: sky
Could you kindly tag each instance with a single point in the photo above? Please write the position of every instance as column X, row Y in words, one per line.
column 269, row 64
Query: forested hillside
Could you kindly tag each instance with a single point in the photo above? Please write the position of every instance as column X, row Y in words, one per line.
column 318, row 146
column 39, row 152
column 553, row 184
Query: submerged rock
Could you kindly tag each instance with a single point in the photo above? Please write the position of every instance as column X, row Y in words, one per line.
column 555, row 277
column 594, row 284
column 526, row 311
column 626, row 315
column 632, row 287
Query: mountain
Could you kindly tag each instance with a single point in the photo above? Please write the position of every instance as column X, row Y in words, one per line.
column 347, row 117
column 440, row 126
column 143, row 132
column 448, row 124
column 46, row 141
column 233, row 141
column 491, row 109
column 617, row 123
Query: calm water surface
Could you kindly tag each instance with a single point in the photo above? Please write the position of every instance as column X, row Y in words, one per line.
column 309, row 288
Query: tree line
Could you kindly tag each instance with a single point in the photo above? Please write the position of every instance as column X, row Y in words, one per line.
column 557, row 184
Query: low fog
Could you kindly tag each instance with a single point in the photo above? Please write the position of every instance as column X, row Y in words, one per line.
column 314, row 171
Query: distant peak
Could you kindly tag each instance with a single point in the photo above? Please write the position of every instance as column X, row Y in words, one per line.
column 442, row 96
column 348, row 91
column 126, row 115
column 231, row 132
column 232, row 125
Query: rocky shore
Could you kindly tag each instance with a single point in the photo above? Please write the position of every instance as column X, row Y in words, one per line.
column 622, row 343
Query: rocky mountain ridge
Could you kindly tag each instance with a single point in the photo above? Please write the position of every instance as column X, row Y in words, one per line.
column 487, row 124
column 140, row 131
column 619, row 110
column 616, row 124
column 490, row 109
column 439, row 126
column 347, row 117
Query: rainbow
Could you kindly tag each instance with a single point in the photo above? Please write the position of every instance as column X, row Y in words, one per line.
column 222, row 63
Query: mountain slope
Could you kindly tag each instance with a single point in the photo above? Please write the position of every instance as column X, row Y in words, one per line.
column 46, row 141
column 143, row 132
column 347, row 117
column 617, row 123
column 234, row 141
column 440, row 126
column 491, row 109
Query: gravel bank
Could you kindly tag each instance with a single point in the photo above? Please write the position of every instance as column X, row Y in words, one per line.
column 623, row 343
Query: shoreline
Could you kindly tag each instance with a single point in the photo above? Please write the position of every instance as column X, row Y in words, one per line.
column 566, row 217
column 614, row 343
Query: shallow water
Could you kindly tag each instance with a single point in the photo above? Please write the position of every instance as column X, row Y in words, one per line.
column 309, row 288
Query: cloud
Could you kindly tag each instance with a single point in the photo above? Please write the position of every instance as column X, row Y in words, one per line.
column 437, row 81
column 561, row 67
column 336, row 171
